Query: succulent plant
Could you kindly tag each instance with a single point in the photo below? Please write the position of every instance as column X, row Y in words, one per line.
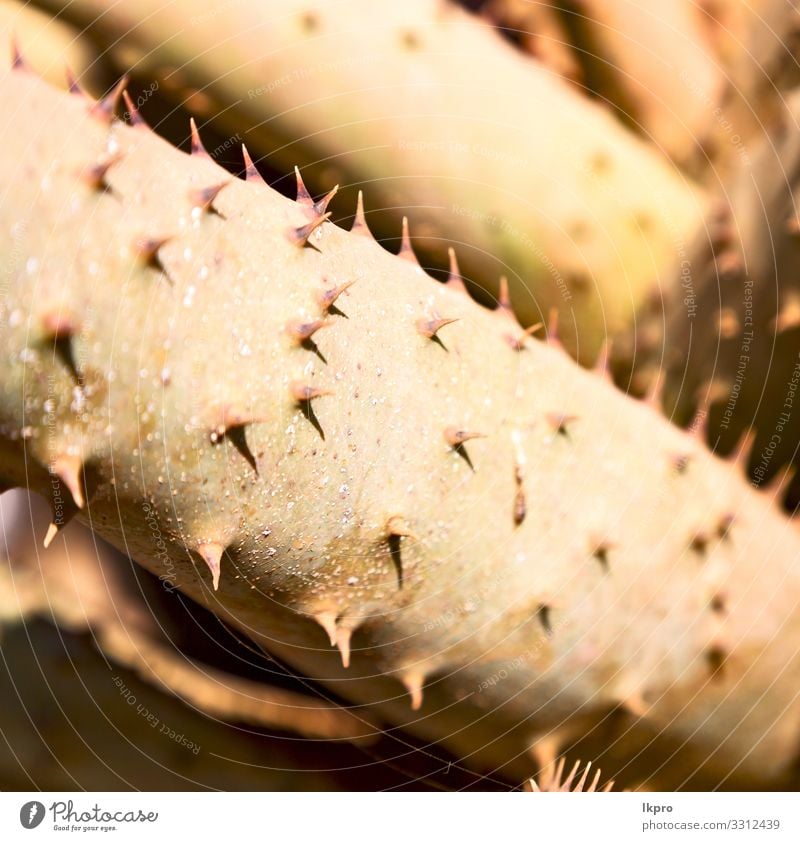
column 327, row 447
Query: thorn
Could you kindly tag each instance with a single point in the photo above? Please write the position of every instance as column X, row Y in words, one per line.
column 302, row 393
column 740, row 457
column 504, row 307
column 359, row 220
column 430, row 327
column 299, row 236
column 520, row 507
column 715, row 658
column 635, row 704
column 602, row 366
column 724, row 526
column 717, row 603
column 680, row 462
column 197, row 147
column 567, row 784
column 788, row 316
column 327, row 621
column 698, row 428
column 582, row 780
column 699, row 543
column 728, row 325
column 455, row 437
column 203, row 197
column 712, row 391
column 326, row 298
column 211, row 553
column 780, row 480
column 52, row 531
column 226, row 418
column 396, row 526
column 519, row 342
column 59, row 326
column 343, row 634
column 68, row 469
column 543, row 614
column 95, row 174
column 655, row 391
column 17, row 60
column 73, row 85
column 303, row 196
column 559, row 422
column 321, row 206
column 132, row 112
column 552, row 330
column 454, row 279
column 406, row 252
column 61, row 519
column 301, row 331
column 146, row 249
column 414, row 683
column 600, row 553
column 251, row 174
column 105, row 108
column 729, row 265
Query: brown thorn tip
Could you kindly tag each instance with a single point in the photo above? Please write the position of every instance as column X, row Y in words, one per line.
column 105, row 108
column 303, row 393
column 455, row 437
column 396, row 526
column 197, row 147
column 94, row 175
column 327, row 621
column 559, row 422
column 430, row 327
column 303, row 196
column 406, row 252
column 132, row 111
column 211, row 553
column 343, row 635
column 59, row 325
column 326, row 298
column 300, row 331
column 68, row 469
column 146, row 249
column 203, row 197
column 414, row 682
column 359, row 220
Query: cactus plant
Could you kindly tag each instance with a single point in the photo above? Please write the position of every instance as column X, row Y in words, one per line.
column 582, row 216
column 469, row 517
column 727, row 336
